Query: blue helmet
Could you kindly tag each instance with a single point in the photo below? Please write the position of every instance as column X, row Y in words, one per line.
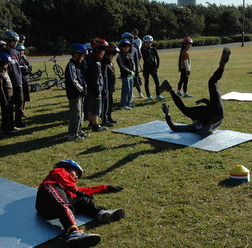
column 20, row 47
column 88, row 46
column 124, row 42
column 78, row 48
column 5, row 57
column 67, row 164
column 11, row 35
column 127, row 35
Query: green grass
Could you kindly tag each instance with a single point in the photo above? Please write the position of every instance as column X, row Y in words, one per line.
column 171, row 193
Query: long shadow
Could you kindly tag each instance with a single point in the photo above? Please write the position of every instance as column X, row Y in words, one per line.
column 157, row 147
column 35, row 144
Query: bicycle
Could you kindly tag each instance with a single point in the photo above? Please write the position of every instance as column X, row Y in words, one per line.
column 38, row 74
column 53, row 82
column 56, row 67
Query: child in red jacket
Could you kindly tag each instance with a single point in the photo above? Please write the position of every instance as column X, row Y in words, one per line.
column 59, row 197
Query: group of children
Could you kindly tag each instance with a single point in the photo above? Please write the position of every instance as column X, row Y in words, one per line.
column 14, row 80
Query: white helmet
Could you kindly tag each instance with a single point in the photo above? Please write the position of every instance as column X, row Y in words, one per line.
column 147, row 38
column 2, row 42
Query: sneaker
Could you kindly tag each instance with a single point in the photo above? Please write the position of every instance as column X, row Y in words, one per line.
column 225, row 56
column 75, row 137
column 141, row 95
column 165, row 86
column 150, row 98
column 187, row 95
column 179, row 93
column 160, row 98
column 107, row 124
column 125, row 108
column 98, row 128
column 78, row 239
column 19, row 125
column 107, row 216
column 112, row 120
column 83, row 134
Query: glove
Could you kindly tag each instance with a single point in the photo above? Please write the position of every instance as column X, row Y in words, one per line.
column 131, row 74
column 113, row 189
column 165, row 108
column 80, row 194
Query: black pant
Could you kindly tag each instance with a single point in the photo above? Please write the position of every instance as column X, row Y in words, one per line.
column 7, row 116
column 146, row 74
column 183, row 80
column 18, row 103
column 212, row 112
column 52, row 202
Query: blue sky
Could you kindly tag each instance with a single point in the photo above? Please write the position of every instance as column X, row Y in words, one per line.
column 218, row 2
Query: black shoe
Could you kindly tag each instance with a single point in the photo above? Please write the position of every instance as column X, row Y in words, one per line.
column 107, row 124
column 111, row 120
column 225, row 56
column 98, row 128
column 165, row 86
column 20, row 125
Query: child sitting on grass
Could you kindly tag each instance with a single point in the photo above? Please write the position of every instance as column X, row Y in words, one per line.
column 59, row 197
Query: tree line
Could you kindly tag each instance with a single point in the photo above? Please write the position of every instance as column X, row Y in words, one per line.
column 50, row 25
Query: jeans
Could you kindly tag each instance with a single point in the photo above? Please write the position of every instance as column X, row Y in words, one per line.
column 76, row 116
column 126, row 94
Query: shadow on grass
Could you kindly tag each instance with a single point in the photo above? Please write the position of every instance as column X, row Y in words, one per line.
column 227, row 183
column 31, row 145
column 157, row 147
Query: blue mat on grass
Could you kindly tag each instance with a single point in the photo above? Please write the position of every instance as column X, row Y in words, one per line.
column 21, row 227
column 159, row 130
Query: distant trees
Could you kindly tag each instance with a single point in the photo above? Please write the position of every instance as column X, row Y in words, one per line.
column 52, row 24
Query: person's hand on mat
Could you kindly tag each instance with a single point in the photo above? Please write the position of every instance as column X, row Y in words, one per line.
column 165, row 108
column 113, row 189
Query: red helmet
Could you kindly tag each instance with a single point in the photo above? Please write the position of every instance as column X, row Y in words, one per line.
column 99, row 43
column 187, row 40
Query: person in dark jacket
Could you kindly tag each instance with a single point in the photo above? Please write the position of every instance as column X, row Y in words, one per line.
column 127, row 69
column 59, row 196
column 150, row 66
column 207, row 118
column 94, row 79
column 109, row 84
column 76, row 90
column 26, row 69
column 15, row 74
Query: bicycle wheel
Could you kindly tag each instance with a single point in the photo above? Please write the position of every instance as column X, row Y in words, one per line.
column 58, row 70
column 48, row 84
column 35, row 76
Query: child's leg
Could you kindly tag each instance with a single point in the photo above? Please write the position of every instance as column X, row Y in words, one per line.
column 75, row 116
column 125, row 92
column 52, row 202
column 146, row 83
column 182, row 79
column 156, row 81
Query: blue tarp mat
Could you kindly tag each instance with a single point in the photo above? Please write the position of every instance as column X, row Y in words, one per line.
column 21, row 227
column 159, row 130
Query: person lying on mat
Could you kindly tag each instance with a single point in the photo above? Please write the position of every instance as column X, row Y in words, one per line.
column 206, row 118
column 59, row 197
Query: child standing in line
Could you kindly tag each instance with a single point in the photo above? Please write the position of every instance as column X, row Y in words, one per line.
column 76, row 91
column 184, row 66
column 127, row 69
column 94, row 78
column 26, row 69
column 59, row 196
column 6, row 95
column 150, row 66
column 109, row 84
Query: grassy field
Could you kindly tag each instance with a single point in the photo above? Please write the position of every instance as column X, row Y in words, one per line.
column 172, row 194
